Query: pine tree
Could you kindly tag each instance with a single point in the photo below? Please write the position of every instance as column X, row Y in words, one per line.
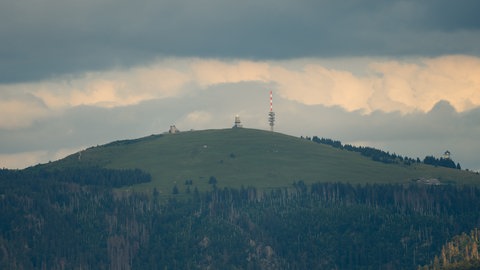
column 175, row 190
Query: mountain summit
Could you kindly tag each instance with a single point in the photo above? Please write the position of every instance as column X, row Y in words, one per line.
column 248, row 157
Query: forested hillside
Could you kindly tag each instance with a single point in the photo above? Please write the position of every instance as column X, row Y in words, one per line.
column 59, row 221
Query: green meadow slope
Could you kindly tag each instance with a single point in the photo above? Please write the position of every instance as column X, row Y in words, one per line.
column 248, row 157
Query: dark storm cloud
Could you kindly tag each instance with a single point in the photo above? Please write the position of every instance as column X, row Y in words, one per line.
column 47, row 38
column 445, row 15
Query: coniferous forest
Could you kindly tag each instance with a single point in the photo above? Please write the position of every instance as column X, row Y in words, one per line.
column 66, row 220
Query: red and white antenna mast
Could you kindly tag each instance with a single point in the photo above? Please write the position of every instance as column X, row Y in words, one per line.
column 271, row 114
column 271, row 101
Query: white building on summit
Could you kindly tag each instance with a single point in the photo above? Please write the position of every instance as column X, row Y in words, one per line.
column 173, row 129
column 237, row 123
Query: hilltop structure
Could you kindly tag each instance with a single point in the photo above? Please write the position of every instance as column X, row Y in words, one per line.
column 173, row 129
column 271, row 114
column 237, row 123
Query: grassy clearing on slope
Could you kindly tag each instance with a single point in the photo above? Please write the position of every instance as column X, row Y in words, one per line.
column 247, row 157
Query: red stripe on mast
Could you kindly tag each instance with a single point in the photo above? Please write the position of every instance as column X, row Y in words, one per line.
column 271, row 101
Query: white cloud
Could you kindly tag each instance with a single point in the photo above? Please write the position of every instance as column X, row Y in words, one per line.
column 211, row 72
column 196, row 120
column 19, row 110
column 386, row 85
column 316, row 84
column 113, row 88
column 25, row 159
column 22, row 160
column 421, row 85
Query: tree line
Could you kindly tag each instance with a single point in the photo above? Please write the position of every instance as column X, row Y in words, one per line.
column 93, row 175
column 386, row 157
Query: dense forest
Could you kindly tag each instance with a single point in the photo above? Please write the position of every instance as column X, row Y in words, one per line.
column 68, row 220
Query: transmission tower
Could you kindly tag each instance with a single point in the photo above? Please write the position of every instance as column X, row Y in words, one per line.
column 271, row 114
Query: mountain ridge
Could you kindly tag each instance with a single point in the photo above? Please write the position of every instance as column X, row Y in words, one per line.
column 248, row 157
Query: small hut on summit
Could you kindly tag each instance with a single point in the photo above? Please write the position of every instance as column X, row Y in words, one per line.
column 173, row 129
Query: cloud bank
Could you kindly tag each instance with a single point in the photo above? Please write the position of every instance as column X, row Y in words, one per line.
column 387, row 85
column 431, row 104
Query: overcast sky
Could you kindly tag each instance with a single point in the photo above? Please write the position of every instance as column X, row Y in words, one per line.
column 402, row 76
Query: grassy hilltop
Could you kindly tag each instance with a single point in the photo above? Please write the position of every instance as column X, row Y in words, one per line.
column 248, row 157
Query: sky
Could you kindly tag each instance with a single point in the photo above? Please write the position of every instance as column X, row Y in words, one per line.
column 401, row 76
